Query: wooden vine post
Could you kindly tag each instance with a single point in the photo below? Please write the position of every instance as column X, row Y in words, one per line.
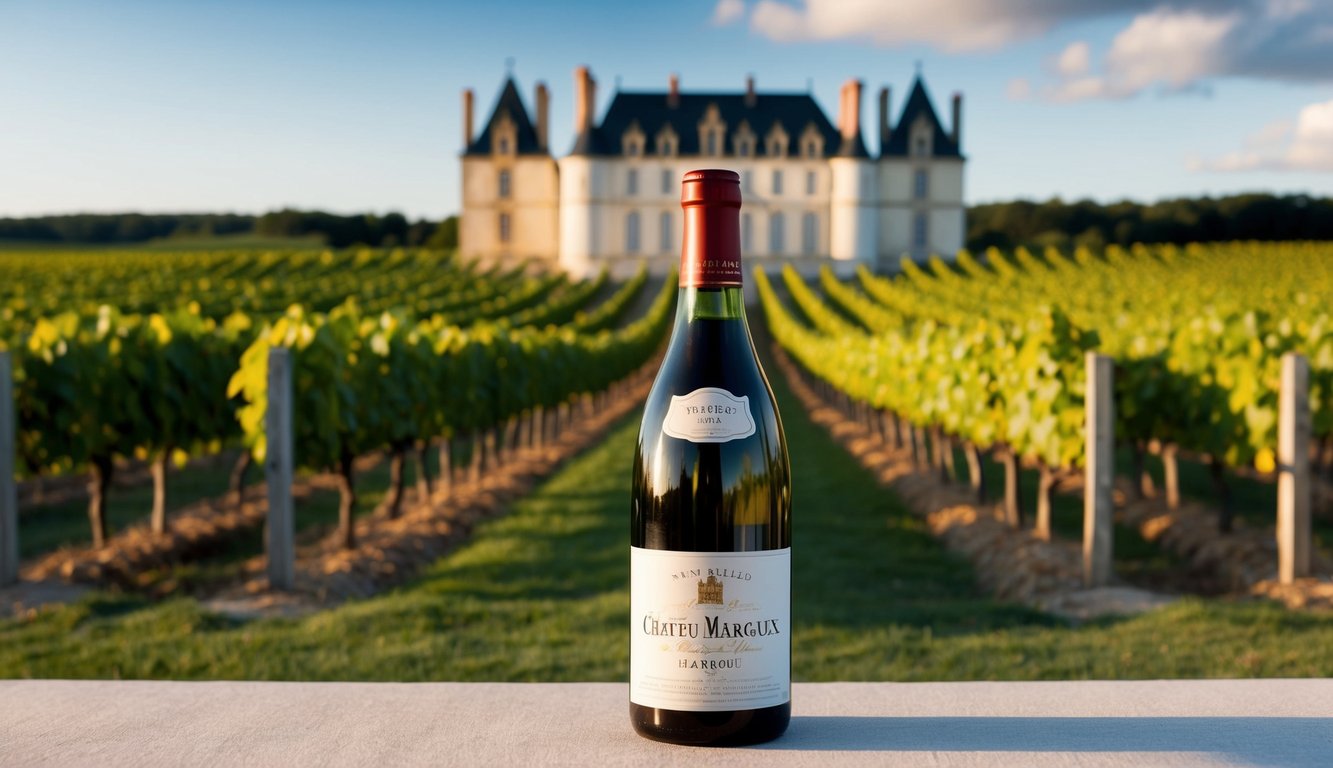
column 1099, row 470
column 9, row 499
column 1293, row 460
column 278, row 466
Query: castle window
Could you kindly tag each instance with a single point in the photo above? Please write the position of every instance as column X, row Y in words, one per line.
column 633, row 140
column 632, row 182
column 922, row 146
column 809, row 233
column 745, row 181
column 666, row 181
column 668, row 231
column 712, row 131
column 777, row 182
column 504, row 227
column 812, row 142
column 776, row 246
column 504, row 184
column 745, row 233
column 632, row 232
column 775, row 144
column 919, row 231
column 668, row 144
column 920, row 184
column 504, row 138
column 810, row 181
column 744, row 141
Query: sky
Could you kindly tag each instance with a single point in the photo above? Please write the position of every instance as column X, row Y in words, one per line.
column 249, row 106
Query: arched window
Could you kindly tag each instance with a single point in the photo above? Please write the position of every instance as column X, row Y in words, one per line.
column 504, row 227
column 504, row 184
column 503, row 145
column 920, row 184
column 632, row 232
column 776, row 246
column 668, row 231
column 809, row 233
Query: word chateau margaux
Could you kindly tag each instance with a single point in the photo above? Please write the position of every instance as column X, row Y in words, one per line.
column 710, row 536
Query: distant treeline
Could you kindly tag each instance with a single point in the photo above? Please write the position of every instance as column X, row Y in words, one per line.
column 1004, row 225
column 1184, row 220
column 338, row 231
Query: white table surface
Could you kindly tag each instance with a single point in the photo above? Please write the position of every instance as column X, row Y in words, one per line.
column 1155, row 723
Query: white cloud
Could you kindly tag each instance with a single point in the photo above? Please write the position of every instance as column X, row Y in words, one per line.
column 1074, row 60
column 728, row 11
column 1312, row 141
column 949, row 25
column 1019, row 89
column 1168, row 45
column 1305, row 145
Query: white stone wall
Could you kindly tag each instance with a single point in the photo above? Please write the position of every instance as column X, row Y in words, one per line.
column 899, row 206
column 533, row 206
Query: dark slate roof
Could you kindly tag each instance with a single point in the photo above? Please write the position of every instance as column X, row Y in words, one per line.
column 649, row 109
column 918, row 103
column 509, row 103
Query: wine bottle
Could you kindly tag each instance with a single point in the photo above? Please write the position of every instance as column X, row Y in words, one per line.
column 710, row 533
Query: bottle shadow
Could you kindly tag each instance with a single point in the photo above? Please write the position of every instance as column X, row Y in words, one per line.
column 1286, row 741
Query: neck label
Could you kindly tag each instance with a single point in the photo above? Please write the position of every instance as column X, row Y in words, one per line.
column 709, row 415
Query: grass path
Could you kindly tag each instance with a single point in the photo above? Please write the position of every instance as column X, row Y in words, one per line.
column 540, row 594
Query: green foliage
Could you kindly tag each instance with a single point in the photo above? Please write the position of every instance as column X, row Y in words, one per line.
column 365, row 382
column 1185, row 220
column 993, row 351
column 1019, row 384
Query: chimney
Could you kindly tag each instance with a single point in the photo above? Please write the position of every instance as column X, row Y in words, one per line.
column 885, row 119
column 750, row 98
column 543, row 111
column 849, row 116
column 585, row 99
column 957, row 134
column 673, row 93
column 467, row 118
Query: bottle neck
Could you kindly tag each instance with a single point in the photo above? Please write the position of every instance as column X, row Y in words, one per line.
column 710, row 255
column 709, row 303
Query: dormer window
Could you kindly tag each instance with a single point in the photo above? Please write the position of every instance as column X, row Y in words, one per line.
column 743, row 142
column 668, row 143
column 775, row 144
column 812, row 142
column 632, row 143
column 504, row 139
column 712, row 131
column 921, row 138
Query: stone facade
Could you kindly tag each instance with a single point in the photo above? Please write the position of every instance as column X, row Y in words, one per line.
column 814, row 194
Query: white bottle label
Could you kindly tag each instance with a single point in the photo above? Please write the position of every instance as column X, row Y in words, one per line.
column 709, row 415
column 710, row 631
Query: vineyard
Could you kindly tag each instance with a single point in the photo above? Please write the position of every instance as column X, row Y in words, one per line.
column 988, row 355
column 415, row 376
column 160, row 358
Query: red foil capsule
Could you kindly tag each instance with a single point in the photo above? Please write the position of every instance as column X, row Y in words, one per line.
column 710, row 254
